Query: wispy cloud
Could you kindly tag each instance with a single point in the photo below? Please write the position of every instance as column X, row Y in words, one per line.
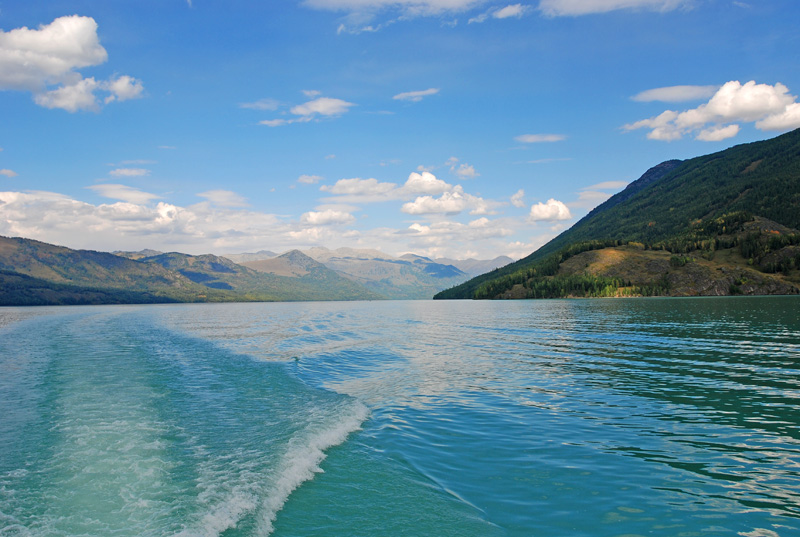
column 129, row 172
column 509, row 11
column 261, row 104
column 123, row 193
column 224, row 198
column 539, row 138
column 415, row 96
column 562, row 8
column 8, row 173
column 676, row 94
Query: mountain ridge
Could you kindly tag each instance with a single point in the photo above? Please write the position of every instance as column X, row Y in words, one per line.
column 674, row 201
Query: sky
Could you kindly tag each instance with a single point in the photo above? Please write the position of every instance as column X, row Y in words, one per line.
column 444, row 128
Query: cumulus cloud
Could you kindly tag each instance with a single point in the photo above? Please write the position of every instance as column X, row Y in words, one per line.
column 8, row 173
column 415, row 96
column 424, row 183
column 676, row 94
column 326, row 217
column 539, row 138
column 561, row 8
column 371, row 190
column 224, row 198
column 553, row 210
column 769, row 107
column 123, row 192
column 465, row 171
column 123, row 89
column 359, row 187
column 451, row 202
column 201, row 228
column 45, row 61
column 129, row 172
column 312, row 110
column 518, row 199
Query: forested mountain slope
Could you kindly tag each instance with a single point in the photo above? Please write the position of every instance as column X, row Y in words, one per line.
column 677, row 203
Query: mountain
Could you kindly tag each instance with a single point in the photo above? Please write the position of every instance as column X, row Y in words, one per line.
column 251, row 256
column 34, row 273
column 141, row 254
column 737, row 210
column 406, row 277
column 300, row 276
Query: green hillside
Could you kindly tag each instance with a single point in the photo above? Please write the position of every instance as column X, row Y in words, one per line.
column 674, row 207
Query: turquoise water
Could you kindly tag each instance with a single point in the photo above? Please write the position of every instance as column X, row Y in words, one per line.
column 576, row 417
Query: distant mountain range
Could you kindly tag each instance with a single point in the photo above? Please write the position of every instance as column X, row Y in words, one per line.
column 719, row 224
column 406, row 277
column 37, row 273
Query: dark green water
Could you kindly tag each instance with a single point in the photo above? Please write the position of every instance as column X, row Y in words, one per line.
column 577, row 417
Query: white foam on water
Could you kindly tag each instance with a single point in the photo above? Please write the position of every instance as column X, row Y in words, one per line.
column 302, row 461
column 227, row 504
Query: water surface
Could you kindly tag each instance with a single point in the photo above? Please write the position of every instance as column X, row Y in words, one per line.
column 566, row 417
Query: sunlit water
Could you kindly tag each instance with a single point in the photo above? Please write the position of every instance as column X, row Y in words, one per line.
column 672, row 417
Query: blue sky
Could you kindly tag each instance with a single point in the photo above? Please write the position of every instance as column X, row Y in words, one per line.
column 458, row 128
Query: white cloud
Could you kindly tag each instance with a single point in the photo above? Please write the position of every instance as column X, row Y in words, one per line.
column 274, row 122
column 452, row 202
column 8, row 173
column 31, row 59
column 517, row 200
column 123, row 89
column 539, row 138
column 224, row 198
column 424, row 183
column 788, row 119
column 511, row 10
column 717, row 134
column 326, row 217
column 311, row 110
column 607, row 185
column 312, row 93
column 415, row 96
column 45, row 61
column 309, row 179
column 359, row 187
column 261, row 104
column 465, row 171
column 551, row 211
column 371, row 190
column 324, row 106
column 560, row 8
column 769, row 107
column 74, row 97
column 410, row 7
column 124, row 193
column 676, row 94
column 589, row 199
column 129, row 172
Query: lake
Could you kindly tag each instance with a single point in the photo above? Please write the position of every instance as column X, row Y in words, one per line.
column 619, row 417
